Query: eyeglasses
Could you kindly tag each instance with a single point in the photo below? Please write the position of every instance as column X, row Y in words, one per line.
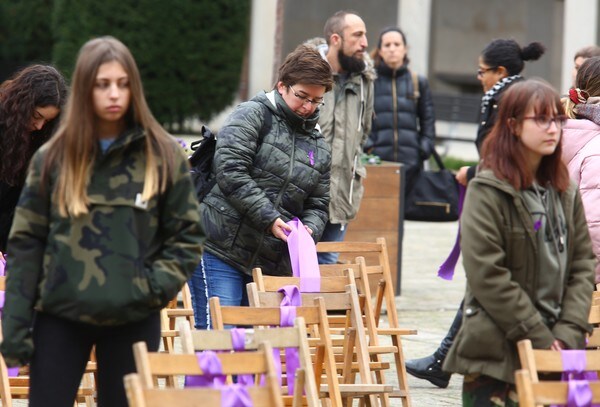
column 304, row 99
column 481, row 71
column 544, row 121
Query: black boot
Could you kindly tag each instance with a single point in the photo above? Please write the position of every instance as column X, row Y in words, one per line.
column 430, row 367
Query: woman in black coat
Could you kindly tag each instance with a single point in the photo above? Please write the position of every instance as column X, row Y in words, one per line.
column 404, row 124
column 30, row 104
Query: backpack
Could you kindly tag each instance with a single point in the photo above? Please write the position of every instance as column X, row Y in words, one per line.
column 204, row 152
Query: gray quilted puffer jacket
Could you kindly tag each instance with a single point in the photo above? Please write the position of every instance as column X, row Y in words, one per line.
column 284, row 175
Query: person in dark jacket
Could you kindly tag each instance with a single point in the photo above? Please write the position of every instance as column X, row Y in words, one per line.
column 30, row 105
column 403, row 127
column 265, row 178
column 500, row 66
column 105, row 234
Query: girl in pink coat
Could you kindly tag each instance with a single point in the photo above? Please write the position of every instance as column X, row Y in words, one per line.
column 581, row 145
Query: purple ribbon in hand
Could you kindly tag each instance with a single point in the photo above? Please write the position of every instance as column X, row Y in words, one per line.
column 303, row 257
column 446, row 270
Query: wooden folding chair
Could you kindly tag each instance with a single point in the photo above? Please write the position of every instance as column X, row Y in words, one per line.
column 151, row 365
column 378, row 272
column 219, row 339
column 338, row 296
column 140, row 396
column 532, row 391
column 18, row 387
column 593, row 341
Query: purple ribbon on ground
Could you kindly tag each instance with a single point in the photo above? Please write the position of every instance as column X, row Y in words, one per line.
column 579, row 393
column 446, row 270
column 303, row 257
column 291, row 299
column 212, row 371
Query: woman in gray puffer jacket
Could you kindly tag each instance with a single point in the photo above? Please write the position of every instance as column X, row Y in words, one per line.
column 404, row 124
column 271, row 164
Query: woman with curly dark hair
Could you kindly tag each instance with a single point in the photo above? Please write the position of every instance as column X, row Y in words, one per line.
column 30, row 103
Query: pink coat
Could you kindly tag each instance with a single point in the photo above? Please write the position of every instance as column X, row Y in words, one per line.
column 581, row 154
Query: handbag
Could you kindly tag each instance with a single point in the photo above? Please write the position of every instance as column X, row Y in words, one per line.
column 434, row 195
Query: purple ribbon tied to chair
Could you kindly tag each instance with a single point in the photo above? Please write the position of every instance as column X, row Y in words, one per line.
column 303, row 257
column 238, row 339
column 446, row 270
column 291, row 299
column 579, row 393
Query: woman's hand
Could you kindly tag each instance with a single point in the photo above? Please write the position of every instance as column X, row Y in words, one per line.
column 278, row 229
column 309, row 230
column 461, row 175
column 558, row 345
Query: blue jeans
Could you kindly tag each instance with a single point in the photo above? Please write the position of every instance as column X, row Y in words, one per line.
column 215, row 278
column 333, row 233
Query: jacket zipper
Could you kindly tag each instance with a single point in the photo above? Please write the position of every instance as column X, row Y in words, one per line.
column 395, row 114
column 279, row 195
column 426, row 203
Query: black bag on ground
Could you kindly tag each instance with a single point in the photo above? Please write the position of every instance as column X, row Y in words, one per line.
column 201, row 163
column 434, row 195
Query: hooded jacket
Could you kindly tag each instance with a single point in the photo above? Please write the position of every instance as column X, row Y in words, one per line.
column 403, row 128
column 122, row 261
column 581, row 154
column 284, row 175
column 500, row 256
column 345, row 121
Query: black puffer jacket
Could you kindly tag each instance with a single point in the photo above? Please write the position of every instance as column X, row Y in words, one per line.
column 403, row 129
column 285, row 175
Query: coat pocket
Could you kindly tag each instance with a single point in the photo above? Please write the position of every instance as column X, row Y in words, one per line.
column 220, row 222
column 480, row 337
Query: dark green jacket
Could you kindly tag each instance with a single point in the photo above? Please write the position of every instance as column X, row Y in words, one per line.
column 500, row 257
column 285, row 175
column 119, row 263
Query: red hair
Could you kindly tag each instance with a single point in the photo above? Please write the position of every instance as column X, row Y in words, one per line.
column 504, row 153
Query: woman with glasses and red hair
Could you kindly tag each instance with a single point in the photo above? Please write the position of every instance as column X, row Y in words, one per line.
column 526, row 249
column 581, row 144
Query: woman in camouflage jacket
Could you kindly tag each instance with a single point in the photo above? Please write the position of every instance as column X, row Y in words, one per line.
column 105, row 234
column 266, row 175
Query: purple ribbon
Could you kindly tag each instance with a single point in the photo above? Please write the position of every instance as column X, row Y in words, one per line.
column 212, row 371
column 579, row 393
column 303, row 257
column 2, row 266
column 238, row 340
column 287, row 308
column 235, row 395
column 446, row 270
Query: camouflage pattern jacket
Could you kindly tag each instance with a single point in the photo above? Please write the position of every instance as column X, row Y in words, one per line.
column 284, row 175
column 119, row 263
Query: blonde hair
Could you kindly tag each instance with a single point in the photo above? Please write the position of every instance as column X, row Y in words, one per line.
column 76, row 142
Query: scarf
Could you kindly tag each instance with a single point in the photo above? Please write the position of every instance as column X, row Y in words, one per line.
column 485, row 100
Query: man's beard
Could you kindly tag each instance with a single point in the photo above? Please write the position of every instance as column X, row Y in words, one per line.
column 350, row 64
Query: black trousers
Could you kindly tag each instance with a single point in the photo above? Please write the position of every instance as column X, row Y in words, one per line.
column 61, row 352
column 442, row 351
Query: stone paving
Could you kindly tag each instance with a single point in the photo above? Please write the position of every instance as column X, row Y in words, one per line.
column 428, row 303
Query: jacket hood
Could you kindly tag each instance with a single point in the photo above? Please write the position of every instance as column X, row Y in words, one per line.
column 321, row 45
column 277, row 105
column 488, row 177
column 575, row 135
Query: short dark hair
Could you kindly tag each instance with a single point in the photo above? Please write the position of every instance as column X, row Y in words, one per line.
column 336, row 23
column 510, row 55
column 503, row 152
column 306, row 65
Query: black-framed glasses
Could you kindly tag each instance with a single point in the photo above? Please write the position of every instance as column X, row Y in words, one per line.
column 304, row 99
column 544, row 121
column 481, row 71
